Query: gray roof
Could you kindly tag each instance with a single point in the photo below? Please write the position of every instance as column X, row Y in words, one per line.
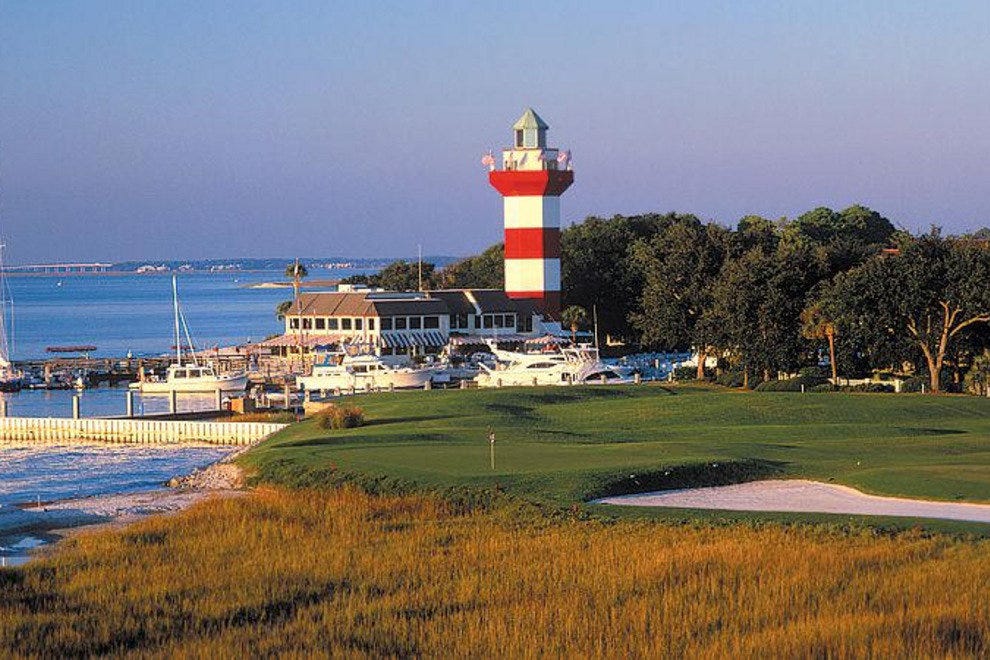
column 530, row 119
column 375, row 303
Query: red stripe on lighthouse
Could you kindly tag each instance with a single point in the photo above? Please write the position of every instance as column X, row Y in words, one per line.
column 519, row 183
column 532, row 243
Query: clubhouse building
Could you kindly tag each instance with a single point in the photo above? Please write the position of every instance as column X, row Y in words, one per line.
column 404, row 323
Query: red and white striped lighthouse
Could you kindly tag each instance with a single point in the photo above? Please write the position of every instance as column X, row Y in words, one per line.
column 531, row 180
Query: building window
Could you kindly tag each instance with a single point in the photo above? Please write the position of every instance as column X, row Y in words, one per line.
column 487, row 321
column 359, row 324
column 400, row 323
column 371, row 324
column 415, row 322
column 321, row 324
column 459, row 322
column 387, row 323
column 332, row 324
column 499, row 320
column 345, row 324
column 307, row 324
column 526, row 323
column 431, row 322
column 510, row 320
column 519, row 139
column 294, row 323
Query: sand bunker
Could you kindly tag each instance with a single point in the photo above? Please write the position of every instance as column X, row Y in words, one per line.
column 803, row 497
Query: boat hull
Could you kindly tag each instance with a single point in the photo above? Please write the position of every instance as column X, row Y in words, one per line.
column 360, row 382
column 236, row 383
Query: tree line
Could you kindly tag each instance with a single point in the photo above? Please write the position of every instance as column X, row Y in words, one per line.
column 768, row 297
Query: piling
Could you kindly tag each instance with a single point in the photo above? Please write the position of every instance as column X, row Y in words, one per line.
column 130, row 403
column 75, row 407
column 173, row 402
column 3, row 407
column 219, row 400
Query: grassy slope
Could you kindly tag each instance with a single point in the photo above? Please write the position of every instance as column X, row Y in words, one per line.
column 562, row 445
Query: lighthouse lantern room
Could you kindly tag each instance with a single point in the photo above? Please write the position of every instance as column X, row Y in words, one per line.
column 531, row 181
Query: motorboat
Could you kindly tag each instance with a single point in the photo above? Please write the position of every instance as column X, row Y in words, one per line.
column 190, row 376
column 577, row 365
column 342, row 372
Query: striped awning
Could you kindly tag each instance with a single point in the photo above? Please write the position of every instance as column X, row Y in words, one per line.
column 413, row 339
column 306, row 341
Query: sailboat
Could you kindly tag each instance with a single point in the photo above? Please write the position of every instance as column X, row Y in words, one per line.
column 191, row 376
column 11, row 380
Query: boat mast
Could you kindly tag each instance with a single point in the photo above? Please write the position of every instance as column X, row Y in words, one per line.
column 175, row 310
column 4, row 345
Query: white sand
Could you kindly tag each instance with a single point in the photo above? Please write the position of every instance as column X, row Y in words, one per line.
column 802, row 496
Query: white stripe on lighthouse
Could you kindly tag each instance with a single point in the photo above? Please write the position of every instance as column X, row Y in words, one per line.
column 532, row 274
column 532, row 212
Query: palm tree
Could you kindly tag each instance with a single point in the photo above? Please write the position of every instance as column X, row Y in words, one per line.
column 816, row 324
column 574, row 317
column 297, row 271
column 282, row 309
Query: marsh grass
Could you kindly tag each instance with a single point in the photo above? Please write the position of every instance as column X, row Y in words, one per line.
column 346, row 573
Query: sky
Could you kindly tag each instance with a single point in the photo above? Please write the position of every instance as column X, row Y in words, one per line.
column 144, row 130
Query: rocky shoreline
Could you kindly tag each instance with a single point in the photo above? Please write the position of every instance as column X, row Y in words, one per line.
column 49, row 522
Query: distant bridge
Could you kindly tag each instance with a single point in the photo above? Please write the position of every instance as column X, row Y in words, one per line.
column 60, row 268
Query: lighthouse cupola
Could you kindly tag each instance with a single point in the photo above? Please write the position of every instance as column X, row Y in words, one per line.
column 532, row 179
column 530, row 131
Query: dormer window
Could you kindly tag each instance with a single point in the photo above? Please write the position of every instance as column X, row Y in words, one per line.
column 519, row 139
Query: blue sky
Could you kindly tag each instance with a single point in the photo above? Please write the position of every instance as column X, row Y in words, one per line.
column 200, row 129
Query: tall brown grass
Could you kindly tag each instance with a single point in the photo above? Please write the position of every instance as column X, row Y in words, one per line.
column 344, row 573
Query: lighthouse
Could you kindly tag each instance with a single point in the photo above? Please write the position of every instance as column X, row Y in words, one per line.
column 531, row 180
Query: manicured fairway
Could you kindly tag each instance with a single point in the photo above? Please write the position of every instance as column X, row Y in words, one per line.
column 565, row 445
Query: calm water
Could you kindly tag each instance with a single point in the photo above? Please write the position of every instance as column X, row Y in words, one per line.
column 121, row 313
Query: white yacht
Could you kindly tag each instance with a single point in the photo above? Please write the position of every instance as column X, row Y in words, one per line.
column 191, row 376
column 578, row 365
column 361, row 373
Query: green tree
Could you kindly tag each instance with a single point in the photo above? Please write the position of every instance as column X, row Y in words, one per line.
column 596, row 269
column 482, row 271
column 846, row 238
column 679, row 267
column 574, row 317
column 402, row 276
column 282, row 309
column 757, row 304
column 925, row 297
column 296, row 271
column 817, row 324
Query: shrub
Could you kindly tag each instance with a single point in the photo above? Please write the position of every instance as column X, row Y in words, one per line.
column 913, row 384
column 876, row 388
column 340, row 416
column 730, row 378
column 690, row 373
column 792, row 384
column 815, row 372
